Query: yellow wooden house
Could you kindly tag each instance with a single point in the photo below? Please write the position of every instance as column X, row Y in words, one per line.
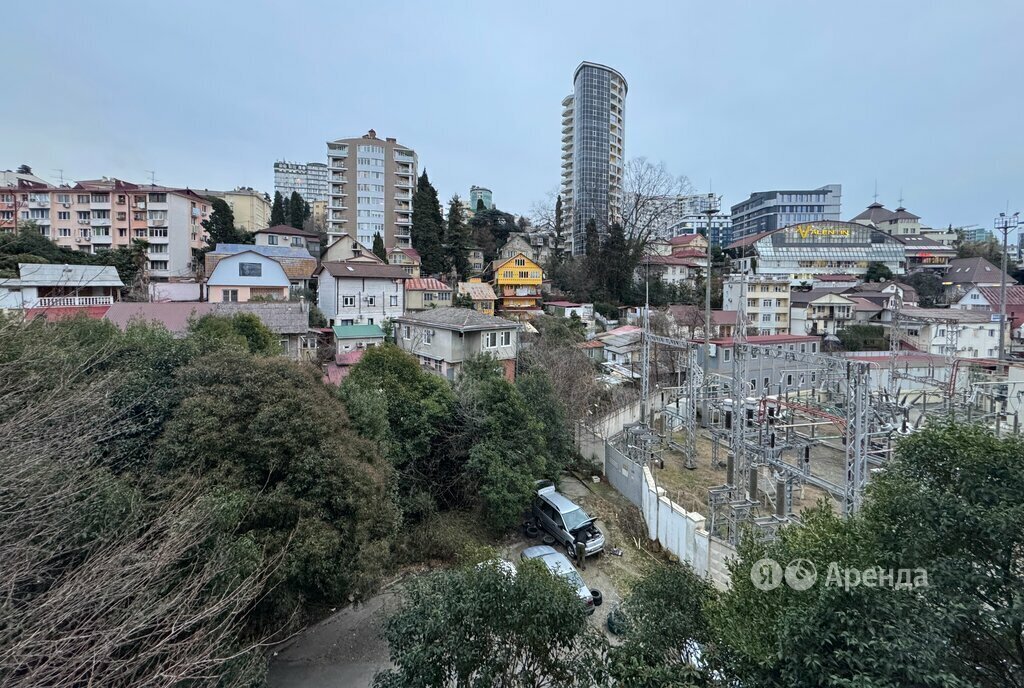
column 516, row 281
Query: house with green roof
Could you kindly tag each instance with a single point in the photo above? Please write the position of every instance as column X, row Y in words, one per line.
column 349, row 338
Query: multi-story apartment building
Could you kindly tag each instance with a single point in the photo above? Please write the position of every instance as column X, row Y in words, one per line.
column 251, row 208
column 309, row 179
column 765, row 211
column 371, row 185
column 108, row 213
column 765, row 299
column 593, row 149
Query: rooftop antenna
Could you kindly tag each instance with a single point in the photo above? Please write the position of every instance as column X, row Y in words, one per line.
column 901, row 196
column 876, row 191
column 152, row 177
column 60, row 173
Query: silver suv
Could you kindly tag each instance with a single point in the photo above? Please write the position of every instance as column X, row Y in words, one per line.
column 566, row 521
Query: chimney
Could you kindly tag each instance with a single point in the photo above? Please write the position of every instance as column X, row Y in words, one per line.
column 391, row 140
column 371, row 134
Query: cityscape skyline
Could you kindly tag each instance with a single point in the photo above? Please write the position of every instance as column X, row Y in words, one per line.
column 899, row 120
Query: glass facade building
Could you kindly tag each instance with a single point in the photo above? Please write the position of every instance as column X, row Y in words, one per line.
column 309, row 179
column 766, row 211
column 593, row 149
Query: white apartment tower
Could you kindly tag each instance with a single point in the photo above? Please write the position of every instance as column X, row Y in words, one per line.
column 593, row 150
column 308, row 179
column 371, row 186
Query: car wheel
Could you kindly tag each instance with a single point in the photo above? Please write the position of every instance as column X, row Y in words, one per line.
column 598, row 598
column 532, row 531
column 570, row 551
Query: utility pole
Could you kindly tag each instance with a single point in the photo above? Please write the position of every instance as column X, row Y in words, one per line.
column 1005, row 224
column 710, row 210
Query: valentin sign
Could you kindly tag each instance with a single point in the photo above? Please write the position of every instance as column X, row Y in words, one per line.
column 807, row 231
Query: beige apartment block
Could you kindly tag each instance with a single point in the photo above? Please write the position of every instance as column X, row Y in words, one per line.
column 251, row 208
column 371, row 182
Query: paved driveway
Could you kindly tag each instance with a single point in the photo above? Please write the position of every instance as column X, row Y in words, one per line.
column 343, row 650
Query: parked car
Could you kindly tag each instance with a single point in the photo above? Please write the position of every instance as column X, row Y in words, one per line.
column 566, row 521
column 559, row 565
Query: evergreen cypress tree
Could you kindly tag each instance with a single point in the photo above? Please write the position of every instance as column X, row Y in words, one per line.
column 480, row 206
column 557, row 254
column 457, row 238
column 277, row 216
column 427, row 227
column 296, row 210
column 378, row 247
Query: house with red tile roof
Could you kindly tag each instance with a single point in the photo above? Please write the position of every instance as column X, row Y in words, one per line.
column 422, row 293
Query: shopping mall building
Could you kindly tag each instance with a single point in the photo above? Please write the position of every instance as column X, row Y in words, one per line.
column 801, row 252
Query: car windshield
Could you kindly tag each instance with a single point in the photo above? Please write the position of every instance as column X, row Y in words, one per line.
column 575, row 518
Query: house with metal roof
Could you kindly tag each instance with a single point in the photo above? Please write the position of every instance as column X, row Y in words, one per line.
column 288, row 236
column 442, row 339
column 45, row 285
column 349, row 338
column 426, row 292
column 353, row 292
column 964, row 273
column 482, row 295
column 245, row 276
column 296, row 262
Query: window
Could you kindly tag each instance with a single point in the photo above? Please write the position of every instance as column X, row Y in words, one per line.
column 789, row 380
column 490, row 340
column 297, row 241
column 394, row 299
column 83, row 198
column 371, row 300
column 405, row 332
column 767, row 384
column 520, row 262
column 229, row 295
column 64, row 232
column 428, row 336
column 271, row 240
column 506, row 338
column 250, row 270
column 726, row 355
column 63, row 215
column 157, row 198
column 348, row 301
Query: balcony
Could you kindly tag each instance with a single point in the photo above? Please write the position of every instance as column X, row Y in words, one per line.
column 403, row 156
column 102, row 205
column 158, row 222
column 101, row 222
column 84, row 221
column 61, row 301
column 40, row 203
column 404, row 221
column 403, row 197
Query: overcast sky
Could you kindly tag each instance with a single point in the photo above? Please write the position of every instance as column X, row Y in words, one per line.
column 924, row 97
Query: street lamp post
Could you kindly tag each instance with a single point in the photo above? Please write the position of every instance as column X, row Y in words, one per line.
column 1005, row 224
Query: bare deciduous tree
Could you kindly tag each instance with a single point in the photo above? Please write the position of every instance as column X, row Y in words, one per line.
column 101, row 584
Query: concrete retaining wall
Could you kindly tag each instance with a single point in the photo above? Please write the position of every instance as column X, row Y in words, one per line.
column 679, row 531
